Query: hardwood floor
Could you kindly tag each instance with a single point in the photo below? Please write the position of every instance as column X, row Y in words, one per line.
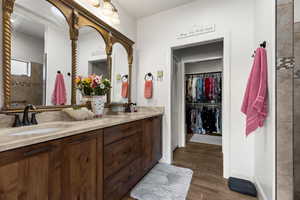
column 207, row 163
column 208, row 183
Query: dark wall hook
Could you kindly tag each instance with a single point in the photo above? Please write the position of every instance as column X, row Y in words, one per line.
column 149, row 75
column 263, row 45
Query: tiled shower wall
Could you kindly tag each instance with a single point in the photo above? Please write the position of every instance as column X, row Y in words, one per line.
column 285, row 83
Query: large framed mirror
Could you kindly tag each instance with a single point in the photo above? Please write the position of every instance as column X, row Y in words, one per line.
column 91, row 58
column 45, row 48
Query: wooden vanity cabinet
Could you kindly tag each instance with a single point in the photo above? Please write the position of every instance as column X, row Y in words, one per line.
column 152, row 146
column 157, row 140
column 32, row 172
column 130, row 151
column 97, row 165
column 80, row 163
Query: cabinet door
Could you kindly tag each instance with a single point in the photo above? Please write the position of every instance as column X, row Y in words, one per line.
column 157, row 140
column 100, row 166
column 31, row 173
column 147, row 144
column 80, row 168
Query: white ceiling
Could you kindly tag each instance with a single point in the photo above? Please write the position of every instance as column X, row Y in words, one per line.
column 143, row 8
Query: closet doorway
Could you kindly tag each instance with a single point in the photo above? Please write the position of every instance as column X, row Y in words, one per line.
column 197, row 94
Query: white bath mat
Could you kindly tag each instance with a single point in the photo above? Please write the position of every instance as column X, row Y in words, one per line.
column 207, row 139
column 164, row 182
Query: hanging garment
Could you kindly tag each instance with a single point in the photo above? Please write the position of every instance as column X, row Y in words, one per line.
column 212, row 88
column 124, row 92
column 59, row 95
column 189, row 85
column 148, row 90
column 255, row 100
column 194, row 88
column 199, row 89
column 207, row 88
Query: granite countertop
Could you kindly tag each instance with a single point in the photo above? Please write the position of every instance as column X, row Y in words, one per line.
column 9, row 141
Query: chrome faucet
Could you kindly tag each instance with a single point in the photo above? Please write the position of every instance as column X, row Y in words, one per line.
column 25, row 121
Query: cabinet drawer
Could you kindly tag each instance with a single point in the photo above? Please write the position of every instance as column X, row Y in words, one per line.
column 116, row 133
column 121, row 153
column 120, row 184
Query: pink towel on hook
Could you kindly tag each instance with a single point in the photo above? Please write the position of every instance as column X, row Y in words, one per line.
column 59, row 96
column 256, row 95
column 148, row 89
column 124, row 92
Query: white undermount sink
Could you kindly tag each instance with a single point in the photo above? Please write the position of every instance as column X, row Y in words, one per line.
column 36, row 131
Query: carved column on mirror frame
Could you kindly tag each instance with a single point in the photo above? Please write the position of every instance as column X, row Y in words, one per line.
column 8, row 6
column 109, row 63
column 74, row 32
column 130, row 61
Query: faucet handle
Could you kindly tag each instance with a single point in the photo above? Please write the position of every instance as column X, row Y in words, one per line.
column 17, row 122
column 33, row 119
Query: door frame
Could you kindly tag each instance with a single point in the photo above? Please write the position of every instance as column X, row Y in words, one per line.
column 226, row 105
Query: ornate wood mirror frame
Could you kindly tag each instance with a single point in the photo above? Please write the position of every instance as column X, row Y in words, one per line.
column 76, row 17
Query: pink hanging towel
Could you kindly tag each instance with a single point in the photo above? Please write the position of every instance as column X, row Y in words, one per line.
column 148, row 89
column 124, row 92
column 256, row 95
column 59, row 96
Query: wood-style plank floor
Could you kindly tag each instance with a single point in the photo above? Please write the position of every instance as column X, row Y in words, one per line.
column 207, row 163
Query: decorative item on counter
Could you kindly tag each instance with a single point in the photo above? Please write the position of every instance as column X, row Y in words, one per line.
column 125, row 86
column 160, row 75
column 79, row 114
column 59, row 96
column 97, row 88
column 148, row 91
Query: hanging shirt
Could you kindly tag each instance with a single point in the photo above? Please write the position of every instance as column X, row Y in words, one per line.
column 199, row 89
column 207, row 88
column 194, row 88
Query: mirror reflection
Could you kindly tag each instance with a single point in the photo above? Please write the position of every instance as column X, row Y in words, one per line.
column 92, row 58
column 41, row 55
column 120, row 75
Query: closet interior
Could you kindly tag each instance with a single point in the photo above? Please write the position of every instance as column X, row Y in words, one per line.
column 204, row 103
column 198, row 84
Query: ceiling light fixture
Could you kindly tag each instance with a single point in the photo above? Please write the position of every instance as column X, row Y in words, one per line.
column 107, row 8
column 115, row 18
column 95, row 3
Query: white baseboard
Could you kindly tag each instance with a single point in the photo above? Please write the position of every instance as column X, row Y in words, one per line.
column 260, row 191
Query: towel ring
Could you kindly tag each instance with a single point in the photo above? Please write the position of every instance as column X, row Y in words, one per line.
column 124, row 78
column 149, row 75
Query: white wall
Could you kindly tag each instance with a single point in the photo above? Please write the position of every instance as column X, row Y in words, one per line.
column 27, row 48
column 264, row 169
column 157, row 33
